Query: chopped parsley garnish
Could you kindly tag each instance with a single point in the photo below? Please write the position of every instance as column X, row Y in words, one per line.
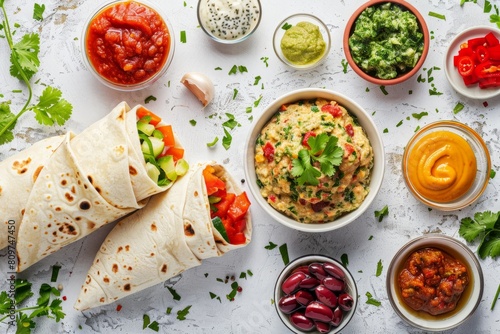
column 492, row 174
column 149, row 99
column 174, row 293
column 257, row 79
column 218, row 69
column 380, row 267
column 235, row 93
column 380, row 214
column 233, row 70
column 227, row 139
column 420, row 115
column 371, row 237
column 234, row 290
column 286, row 26
column 386, row 130
column 271, row 245
column 284, row 253
column 242, row 69
column 265, row 59
column 257, row 102
column 437, row 15
column 485, row 226
column 371, row 300
column 213, row 142
column 183, row 36
column 214, row 296
column 146, row 323
column 345, row 260
column 345, row 65
column 382, row 88
column 496, row 298
column 38, row 12
column 248, row 110
column 169, row 310
column 458, row 108
column 399, row 123
column 192, row 122
column 55, row 273
column 323, row 149
column 181, row 315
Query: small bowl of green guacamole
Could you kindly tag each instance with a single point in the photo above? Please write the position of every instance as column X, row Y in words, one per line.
column 386, row 41
column 302, row 41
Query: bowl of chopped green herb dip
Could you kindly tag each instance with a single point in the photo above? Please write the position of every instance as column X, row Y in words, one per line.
column 386, row 41
column 314, row 160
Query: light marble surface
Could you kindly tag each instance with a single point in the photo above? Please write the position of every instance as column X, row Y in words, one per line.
column 252, row 310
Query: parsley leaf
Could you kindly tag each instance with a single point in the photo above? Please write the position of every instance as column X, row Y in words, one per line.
column 345, row 260
column 380, row 267
column 7, row 121
column 227, row 139
column 284, row 253
column 51, row 108
column 174, row 293
column 323, row 149
column 5, row 302
column 25, row 54
column 485, row 226
column 38, row 12
column 271, row 245
column 181, row 315
column 380, row 214
column 371, row 300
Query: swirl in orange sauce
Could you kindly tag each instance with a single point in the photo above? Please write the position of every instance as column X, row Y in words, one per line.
column 442, row 166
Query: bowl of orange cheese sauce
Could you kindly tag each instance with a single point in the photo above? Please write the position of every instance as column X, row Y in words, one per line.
column 127, row 44
column 446, row 165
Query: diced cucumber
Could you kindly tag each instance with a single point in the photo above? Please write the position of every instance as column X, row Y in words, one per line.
column 157, row 145
column 146, row 128
column 157, row 134
column 181, row 167
column 152, row 171
column 168, row 165
column 219, row 226
column 214, row 199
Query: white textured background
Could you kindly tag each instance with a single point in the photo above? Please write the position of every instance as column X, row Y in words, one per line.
column 252, row 311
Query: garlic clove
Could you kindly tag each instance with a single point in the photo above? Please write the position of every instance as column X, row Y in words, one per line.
column 200, row 85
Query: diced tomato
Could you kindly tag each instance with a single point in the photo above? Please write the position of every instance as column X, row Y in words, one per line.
column 240, row 225
column 482, row 53
column 212, row 182
column 237, row 239
column 349, row 129
column 334, row 110
column 308, row 135
column 348, row 149
column 239, row 207
column 283, row 107
column 268, row 151
column 465, row 65
column 168, row 135
column 223, row 206
column 141, row 112
column 491, row 39
column 176, row 152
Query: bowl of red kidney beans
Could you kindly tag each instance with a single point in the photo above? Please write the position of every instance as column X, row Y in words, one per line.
column 315, row 294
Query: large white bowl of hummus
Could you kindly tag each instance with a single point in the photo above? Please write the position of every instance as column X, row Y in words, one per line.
column 314, row 160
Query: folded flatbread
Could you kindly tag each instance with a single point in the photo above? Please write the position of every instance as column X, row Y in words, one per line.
column 18, row 173
column 92, row 179
column 171, row 234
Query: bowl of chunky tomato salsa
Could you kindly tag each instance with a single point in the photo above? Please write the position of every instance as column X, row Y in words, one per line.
column 435, row 282
column 128, row 45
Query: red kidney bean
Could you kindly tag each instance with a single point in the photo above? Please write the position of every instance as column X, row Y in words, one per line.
column 338, row 315
column 333, row 284
column 292, row 282
column 309, row 282
column 319, row 311
column 304, row 297
column 333, row 270
column 326, row 296
column 299, row 320
column 345, row 301
column 288, row 304
column 322, row 327
column 316, row 269
column 304, row 269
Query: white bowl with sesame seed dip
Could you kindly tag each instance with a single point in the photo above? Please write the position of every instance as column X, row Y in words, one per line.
column 229, row 21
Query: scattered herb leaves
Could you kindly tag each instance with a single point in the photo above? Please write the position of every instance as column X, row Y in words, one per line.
column 181, row 315
column 372, row 301
column 496, row 298
column 257, row 79
column 286, row 26
column 345, row 260
column 485, row 226
column 458, row 108
column 214, row 296
column 380, row 267
column 235, row 93
column 382, row 88
column 183, row 36
column 265, row 60
column 493, row 173
column 55, row 273
column 38, row 12
column 345, row 65
column 174, row 293
column 233, row 70
column 192, row 122
column 149, row 99
column 227, row 139
column 437, row 15
column 213, row 142
column 257, row 102
column 271, row 245
column 420, row 115
column 284, row 253
column 380, row 214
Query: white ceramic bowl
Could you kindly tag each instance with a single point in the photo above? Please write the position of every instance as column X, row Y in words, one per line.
column 292, row 20
column 469, row 300
column 351, row 288
column 364, row 120
column 454, row 78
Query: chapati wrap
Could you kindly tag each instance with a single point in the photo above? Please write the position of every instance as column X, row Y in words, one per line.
column 171, row 234
column 92, row 179
column 18, row 173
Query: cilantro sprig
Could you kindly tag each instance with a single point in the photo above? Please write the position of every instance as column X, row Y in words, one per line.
column 46, row 305
column 485, row 226
column 51, row 108
column 322, row 149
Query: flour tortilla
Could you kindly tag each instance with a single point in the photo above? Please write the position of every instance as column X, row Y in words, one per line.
column 92, row 179
column 170, row 235
column 18, row 173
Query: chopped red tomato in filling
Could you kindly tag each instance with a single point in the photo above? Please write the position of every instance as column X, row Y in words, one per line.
column 334, row 110
column 229, row 207
column 268, row 152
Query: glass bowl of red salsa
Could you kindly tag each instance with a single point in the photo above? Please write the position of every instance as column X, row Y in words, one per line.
column 128, row 45
column 435, row 282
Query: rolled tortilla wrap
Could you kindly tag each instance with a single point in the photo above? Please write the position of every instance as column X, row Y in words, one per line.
column 92, row 179
column 18, row 173
column 170, row 235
